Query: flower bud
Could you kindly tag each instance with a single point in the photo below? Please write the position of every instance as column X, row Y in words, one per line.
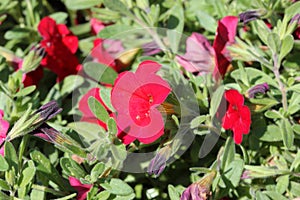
column 248, row 16
column 199, row 190
column 260, row 88
column 158, row 163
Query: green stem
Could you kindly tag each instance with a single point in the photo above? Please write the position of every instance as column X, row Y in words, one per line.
column 22, row 148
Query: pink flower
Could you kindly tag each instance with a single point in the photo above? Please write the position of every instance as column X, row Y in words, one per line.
column 60, row 45
column 237, row 117
column 201, row 57
column 136, row 96
column 107, row 51
column 4, row 125
column 96, row 25
column 82, row 189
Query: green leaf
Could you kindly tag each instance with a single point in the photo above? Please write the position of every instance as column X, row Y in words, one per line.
column 282, row 184
column 3, row 185
column 206, row 21
column 287, row 133
column 37, row 194
column 113, row 30
column 273, row 114
column 25, row 91
column 81, row 4
column 173, row 193
column 233, row 172
column 295, row 88
column 272, row 134
column 117, row 5
column 264, row 172
column 274, row 42
column 262, row 30
column 275, row 195
column 65, row 164
column 296, row 128
column 98, row 109
column 197, row 121
column 59, row 17
column 295, row 188
column 100, row 72
column 44, row 166
column 11, row 155
column 97, row 170
column 118, row 187
column 27, row 175
column 119, row 152
column 112, row 126
column 70, row 83
column 228, row 155
column 18, row 33
column 216, row 101
column 4, row 196
column 89, row 132
column 292, row 11
column 103, row 195
column 296, row 162
column 105, row 94
column 175, row 26
column 3, row 164
column 287, row 46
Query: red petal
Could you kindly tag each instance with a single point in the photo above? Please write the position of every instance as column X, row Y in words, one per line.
column 237, row 135
column 47, row 28
column 234, row 97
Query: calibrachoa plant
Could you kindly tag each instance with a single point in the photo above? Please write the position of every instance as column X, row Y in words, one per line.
column 180, row 100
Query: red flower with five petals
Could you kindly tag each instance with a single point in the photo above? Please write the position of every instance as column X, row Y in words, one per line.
column 135, row 96
column 237, row 117
column 60, row 45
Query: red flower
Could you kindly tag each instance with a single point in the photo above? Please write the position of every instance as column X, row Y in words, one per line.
column 135, row 97
column 201, row 57
column 226, row 32
column 82, row 189
column 4, row 125
column 31, row 78
column 87, row 114
column 60, row 45
column 238, row 116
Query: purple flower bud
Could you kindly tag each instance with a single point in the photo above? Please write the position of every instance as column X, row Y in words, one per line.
column 48, row 111
column 248, row 16
column 260, row 88
column 150, row 48
column 296, row 18
column 199, row 190
column 158, row 163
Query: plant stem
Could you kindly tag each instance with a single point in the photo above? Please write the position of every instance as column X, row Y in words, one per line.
column 281, row 85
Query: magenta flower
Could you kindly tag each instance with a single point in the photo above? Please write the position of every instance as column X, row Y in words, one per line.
column 96, row 25
column 136, row 97
column 82, row 189
column 4, row 125
column 201, row 57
